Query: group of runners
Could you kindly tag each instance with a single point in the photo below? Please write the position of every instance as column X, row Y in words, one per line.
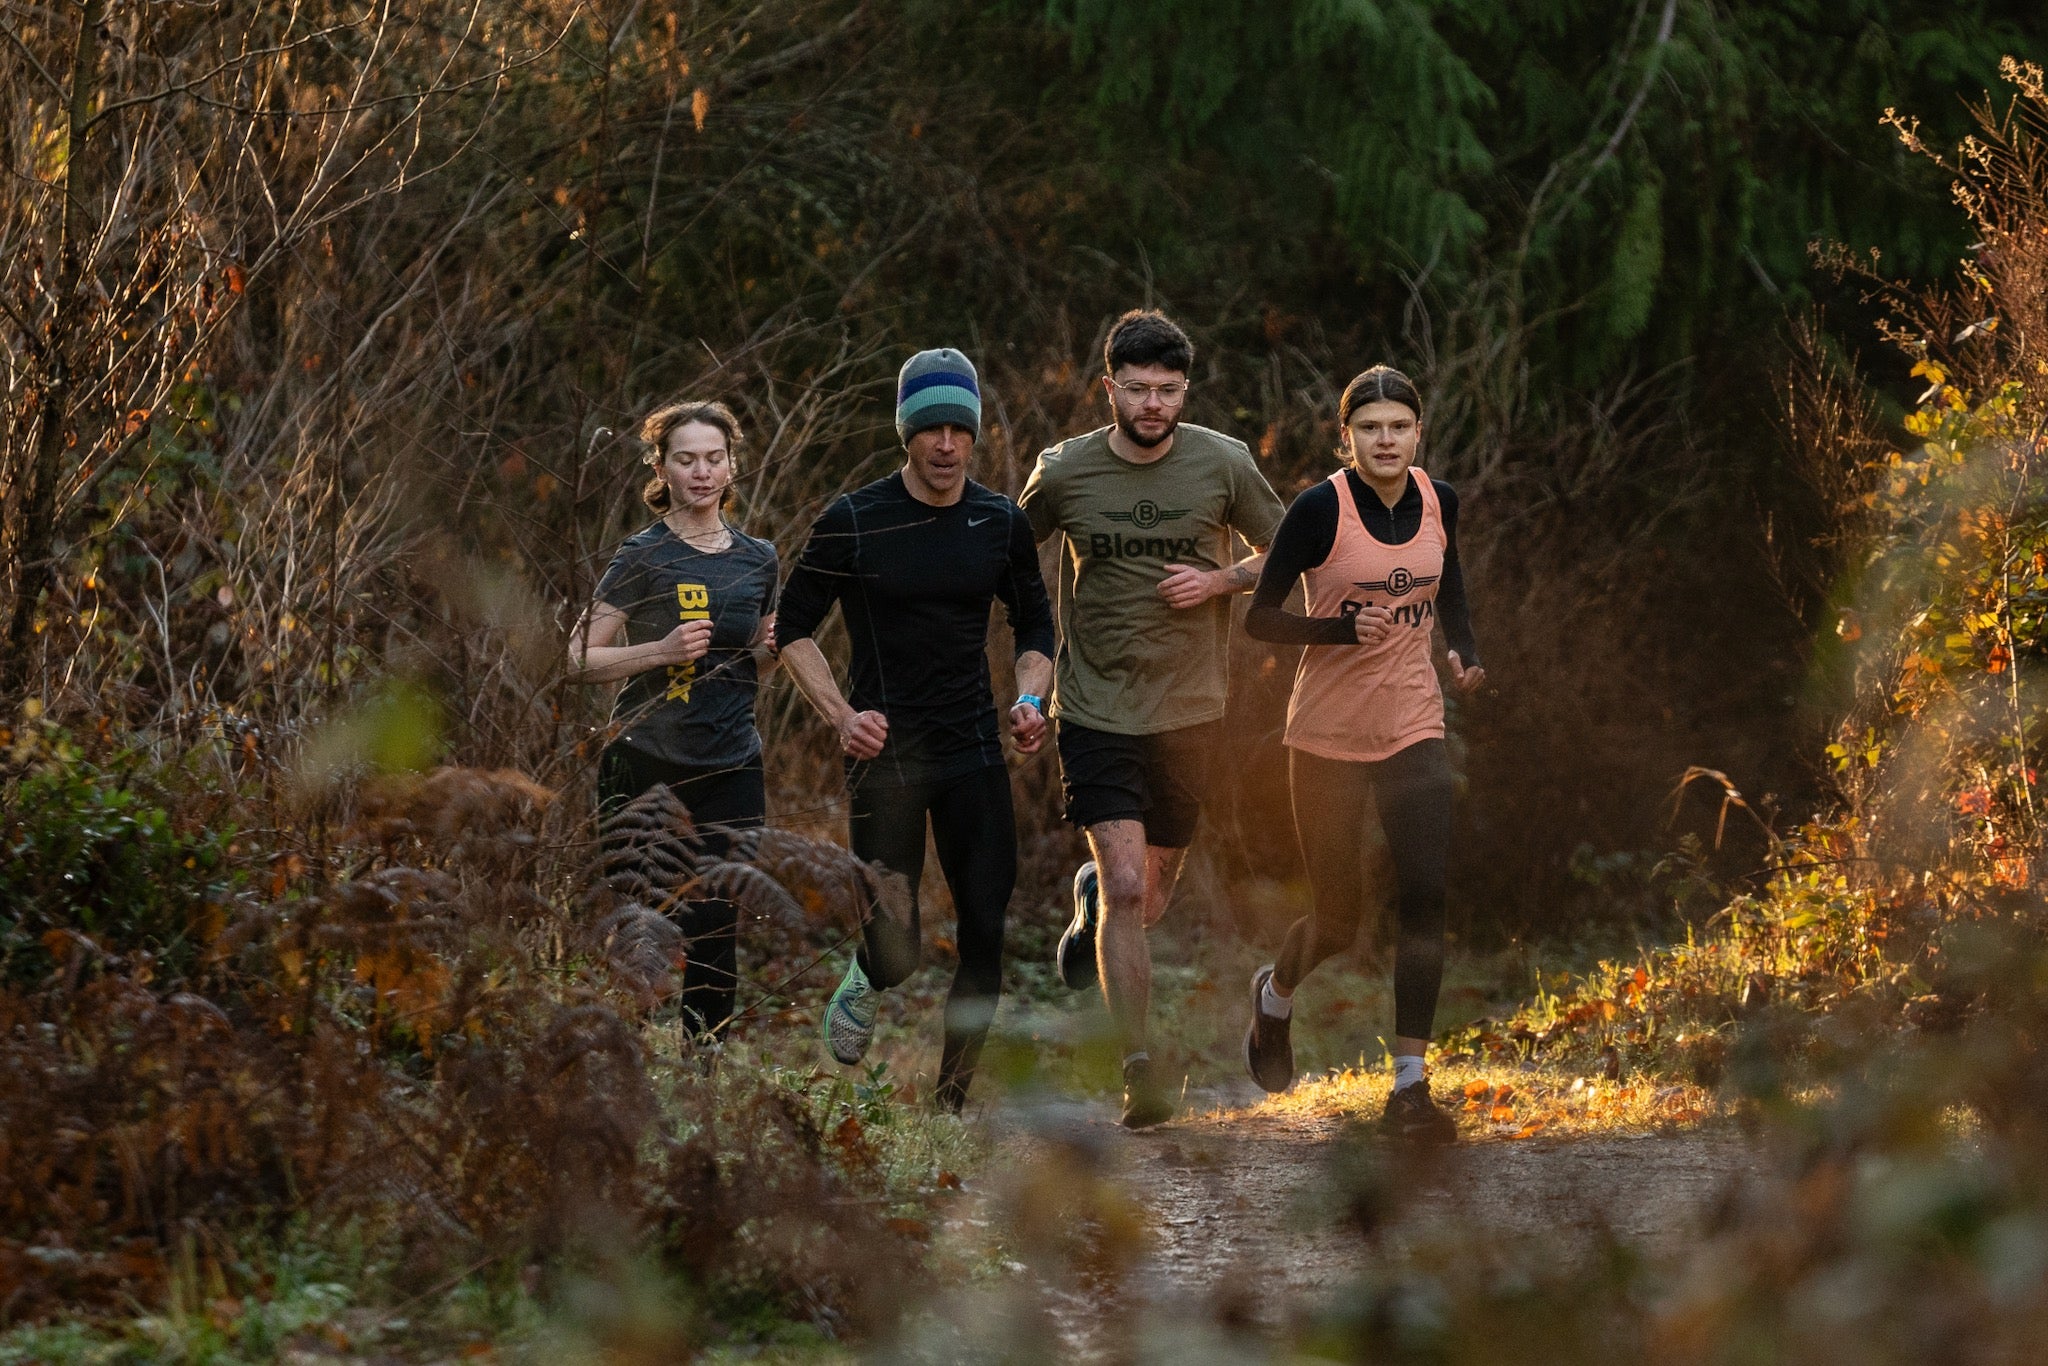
column 1147, row 510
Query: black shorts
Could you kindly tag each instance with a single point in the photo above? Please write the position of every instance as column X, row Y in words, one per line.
column 1157, row 779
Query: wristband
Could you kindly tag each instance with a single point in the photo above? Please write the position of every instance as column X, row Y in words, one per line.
column 1037, row 702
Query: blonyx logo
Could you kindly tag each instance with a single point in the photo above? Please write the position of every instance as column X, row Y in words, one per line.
column 1398, row 584
column 1146, row 514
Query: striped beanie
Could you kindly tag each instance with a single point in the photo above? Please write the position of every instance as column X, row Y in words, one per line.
column 935, row 388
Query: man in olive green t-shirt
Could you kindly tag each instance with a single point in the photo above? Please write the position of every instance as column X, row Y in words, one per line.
column 1147, row 508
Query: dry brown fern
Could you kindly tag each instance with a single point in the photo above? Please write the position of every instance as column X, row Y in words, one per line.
column 451, row 804
column 645, row 952
column 648, row 852
column 824, row 879
column 653, row 857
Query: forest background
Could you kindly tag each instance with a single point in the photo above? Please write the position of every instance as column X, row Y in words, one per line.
column 311, row 396
column 326, row 326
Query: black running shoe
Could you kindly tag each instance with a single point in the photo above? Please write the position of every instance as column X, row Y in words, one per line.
column 1268, row 1052
column 1076, row 956
column 1146, row 1101
column 1412, row 1117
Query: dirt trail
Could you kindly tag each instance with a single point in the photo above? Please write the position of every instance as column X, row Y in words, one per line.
column 1250, row 1218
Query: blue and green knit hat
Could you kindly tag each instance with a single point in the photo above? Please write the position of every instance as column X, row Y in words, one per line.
column 935, row 388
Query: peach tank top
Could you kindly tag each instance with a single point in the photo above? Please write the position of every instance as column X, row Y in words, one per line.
column 1360, row 702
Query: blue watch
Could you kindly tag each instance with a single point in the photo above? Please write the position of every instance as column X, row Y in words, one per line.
column 1037, row 702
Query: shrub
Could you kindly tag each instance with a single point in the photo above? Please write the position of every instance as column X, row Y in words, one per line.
column 92, row 848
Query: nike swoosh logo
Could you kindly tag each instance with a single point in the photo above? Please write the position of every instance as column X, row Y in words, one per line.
column 973, row 522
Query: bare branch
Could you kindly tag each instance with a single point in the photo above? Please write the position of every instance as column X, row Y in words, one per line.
column 56, row 86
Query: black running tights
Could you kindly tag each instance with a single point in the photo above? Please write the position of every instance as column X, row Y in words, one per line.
column 721, row 800
column 974, row 832
column 1412, row 792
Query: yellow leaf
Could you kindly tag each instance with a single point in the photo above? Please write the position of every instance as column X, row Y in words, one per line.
column 700, row 105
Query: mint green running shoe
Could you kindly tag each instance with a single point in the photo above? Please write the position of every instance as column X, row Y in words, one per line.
column 850, row 1016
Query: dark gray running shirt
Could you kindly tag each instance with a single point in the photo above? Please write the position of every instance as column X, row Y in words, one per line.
column 700, row 713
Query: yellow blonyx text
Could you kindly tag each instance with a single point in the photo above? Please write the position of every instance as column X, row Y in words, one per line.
column 693, row 603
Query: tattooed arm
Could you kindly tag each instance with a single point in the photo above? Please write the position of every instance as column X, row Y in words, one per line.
column 1185, row 585
column 1243, row 576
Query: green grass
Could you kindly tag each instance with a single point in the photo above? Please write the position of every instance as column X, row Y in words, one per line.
column 331, row 1291
column 1049, row 1041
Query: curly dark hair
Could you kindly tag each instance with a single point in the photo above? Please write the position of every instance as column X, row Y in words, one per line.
column 1145, row 336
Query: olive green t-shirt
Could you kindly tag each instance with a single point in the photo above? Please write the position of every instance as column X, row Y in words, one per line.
column 1128, row 663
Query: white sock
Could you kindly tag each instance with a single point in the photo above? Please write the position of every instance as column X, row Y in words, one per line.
column 1272, row 1004
column 1407, row 1070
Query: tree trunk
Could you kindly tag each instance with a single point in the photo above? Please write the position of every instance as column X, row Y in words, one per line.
column 37, row 528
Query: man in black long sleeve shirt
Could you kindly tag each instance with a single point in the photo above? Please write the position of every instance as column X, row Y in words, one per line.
column 915, row 561
column 916, row 583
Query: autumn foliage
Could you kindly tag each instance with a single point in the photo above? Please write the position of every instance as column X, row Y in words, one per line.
column 1936, row 628
column 424, row 1041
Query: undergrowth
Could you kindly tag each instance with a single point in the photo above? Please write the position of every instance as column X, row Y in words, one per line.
column 303, row 1060
column 1939, row 623
column 425, row 1041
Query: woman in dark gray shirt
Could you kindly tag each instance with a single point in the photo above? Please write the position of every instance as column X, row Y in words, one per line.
column 685, row 614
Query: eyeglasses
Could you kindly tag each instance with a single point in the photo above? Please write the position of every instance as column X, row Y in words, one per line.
column 1170, row 393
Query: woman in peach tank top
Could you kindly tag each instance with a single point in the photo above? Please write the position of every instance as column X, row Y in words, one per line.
column 1376, row 546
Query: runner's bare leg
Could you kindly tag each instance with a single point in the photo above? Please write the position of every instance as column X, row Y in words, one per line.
column 1162, row 874
column 1136, row 882
column 1122, row 957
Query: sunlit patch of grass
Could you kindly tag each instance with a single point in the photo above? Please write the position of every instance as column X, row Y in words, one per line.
column 1498, row 1104
column 1049, row 1039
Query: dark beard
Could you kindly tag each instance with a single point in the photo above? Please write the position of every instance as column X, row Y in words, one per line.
column 1131, row 434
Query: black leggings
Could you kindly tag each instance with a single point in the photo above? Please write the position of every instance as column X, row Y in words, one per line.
column 721, row 800
column 975, row 833
column 1412, row 790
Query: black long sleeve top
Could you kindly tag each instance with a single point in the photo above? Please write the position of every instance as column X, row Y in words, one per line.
column 916, row 583
column 1307, row 535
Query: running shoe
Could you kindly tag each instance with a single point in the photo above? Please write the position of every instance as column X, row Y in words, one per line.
column 1268, row 1052
column 1076, row 956
column 1146, row 1101
column 1412, row 1117
column 850, row 1016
